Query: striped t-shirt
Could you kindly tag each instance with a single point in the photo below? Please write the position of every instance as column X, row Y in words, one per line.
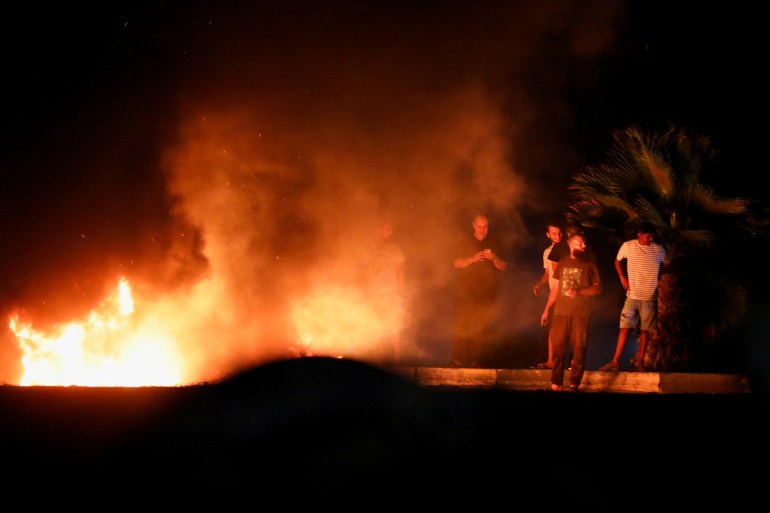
column 642, row 267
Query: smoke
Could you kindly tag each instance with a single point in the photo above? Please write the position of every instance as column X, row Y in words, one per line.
column 297, row 128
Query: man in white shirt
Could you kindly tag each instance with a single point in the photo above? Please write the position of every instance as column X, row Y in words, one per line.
column 553, row 232
column 645, row 260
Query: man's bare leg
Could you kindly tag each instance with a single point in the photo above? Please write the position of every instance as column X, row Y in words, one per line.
column 643, row 337
column 622, row 337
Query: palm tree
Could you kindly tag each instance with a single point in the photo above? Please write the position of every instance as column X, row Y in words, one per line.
column 659, row 177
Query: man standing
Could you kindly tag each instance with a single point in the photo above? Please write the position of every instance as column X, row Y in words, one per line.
column 481, row 259
column 645, row 259
column 385, row 271
column 544, row 348
column 572, row 303
column 561, row 248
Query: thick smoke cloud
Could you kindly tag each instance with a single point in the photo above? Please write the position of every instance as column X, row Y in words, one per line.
column 261, row 145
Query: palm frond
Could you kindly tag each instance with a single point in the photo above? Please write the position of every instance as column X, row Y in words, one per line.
column 698, row 239
column 660, row 171
column 657, row 177
column 708, row 202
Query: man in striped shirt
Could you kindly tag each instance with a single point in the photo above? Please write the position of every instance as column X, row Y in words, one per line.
column 645, row 259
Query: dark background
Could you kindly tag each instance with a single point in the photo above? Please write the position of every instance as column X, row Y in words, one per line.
column 95, row 92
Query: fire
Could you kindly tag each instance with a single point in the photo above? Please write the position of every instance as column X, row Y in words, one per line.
column 338, row 321
column 108, row 349
column 198, row 336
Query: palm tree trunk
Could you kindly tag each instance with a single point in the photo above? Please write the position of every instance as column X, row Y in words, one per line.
column 669, row 348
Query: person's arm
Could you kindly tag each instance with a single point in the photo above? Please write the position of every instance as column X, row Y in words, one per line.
column 499, row 263
column 548, row 305
column 621, row 274
column 591, row 290
column 542, row 281
column 484, row 254
column 596, row 283
column 665, row 263
column 462, row 263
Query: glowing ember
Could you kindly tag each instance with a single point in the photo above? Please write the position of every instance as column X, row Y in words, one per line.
column 109, row 349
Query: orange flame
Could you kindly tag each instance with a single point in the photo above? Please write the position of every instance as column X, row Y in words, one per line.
column 108, row 349
column 115, row 346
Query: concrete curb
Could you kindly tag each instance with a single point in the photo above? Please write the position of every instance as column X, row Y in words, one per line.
column 593, row 381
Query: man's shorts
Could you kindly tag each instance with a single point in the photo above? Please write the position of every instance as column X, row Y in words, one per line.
column 640, row 312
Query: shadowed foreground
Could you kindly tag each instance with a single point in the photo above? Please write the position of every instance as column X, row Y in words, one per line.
column 317, row 430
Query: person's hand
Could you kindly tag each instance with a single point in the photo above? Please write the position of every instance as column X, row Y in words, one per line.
column 544, row 318
column 536, row 288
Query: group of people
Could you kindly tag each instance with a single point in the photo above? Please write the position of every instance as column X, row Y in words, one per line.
column 571, row 273
column 570, row 270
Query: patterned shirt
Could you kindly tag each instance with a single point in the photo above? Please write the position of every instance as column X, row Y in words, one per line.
column 575, row 273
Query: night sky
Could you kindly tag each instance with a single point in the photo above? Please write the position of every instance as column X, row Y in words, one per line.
column 255, row 144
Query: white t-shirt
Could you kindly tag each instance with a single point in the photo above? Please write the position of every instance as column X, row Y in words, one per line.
column 547, row 264
column 642, row 268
